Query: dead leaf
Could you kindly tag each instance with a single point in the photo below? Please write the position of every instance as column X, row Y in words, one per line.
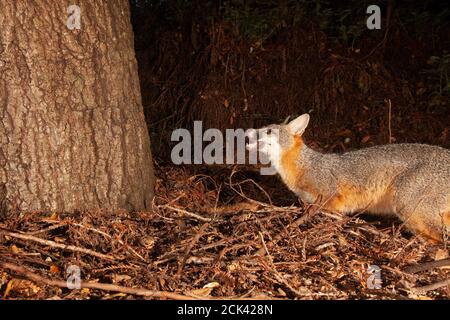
column 424, row 298
column 120, row 277
column 25, row 288
column 441, row 254
column 281, row 292
column 8, row 288
column 233, row 266
column 212, row 285
column 59, row 239
column 365, row 139
column 344, row 133
column 14, row 249
column 206, row 290
column 54, row 216
column 54, row 269
column 201, row 292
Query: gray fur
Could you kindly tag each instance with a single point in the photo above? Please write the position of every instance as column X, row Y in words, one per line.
column 408, row 180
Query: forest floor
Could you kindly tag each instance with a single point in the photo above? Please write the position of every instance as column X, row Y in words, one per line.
column 213, row 236
column 227, row 232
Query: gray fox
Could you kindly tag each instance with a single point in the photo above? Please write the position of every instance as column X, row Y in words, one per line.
column 411, row 181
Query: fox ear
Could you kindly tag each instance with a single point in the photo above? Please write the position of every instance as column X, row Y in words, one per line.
column 298, row 125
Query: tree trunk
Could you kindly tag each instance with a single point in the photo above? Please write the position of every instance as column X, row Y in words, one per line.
column 72, row 128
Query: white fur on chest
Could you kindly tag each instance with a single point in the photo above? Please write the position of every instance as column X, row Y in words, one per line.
column 306, row 196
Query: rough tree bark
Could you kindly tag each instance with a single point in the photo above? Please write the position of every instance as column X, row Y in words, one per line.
column 72, row 128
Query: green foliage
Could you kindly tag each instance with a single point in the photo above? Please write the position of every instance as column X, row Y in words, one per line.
column 424, row 15
column 260, row 19
column 439, row 73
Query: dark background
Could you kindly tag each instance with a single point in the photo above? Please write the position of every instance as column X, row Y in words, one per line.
column 240, row 64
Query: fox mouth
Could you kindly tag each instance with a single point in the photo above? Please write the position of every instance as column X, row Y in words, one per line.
column 265, row 145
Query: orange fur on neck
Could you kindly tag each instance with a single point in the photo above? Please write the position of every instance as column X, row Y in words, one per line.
column 291, row 170
column 446, row 218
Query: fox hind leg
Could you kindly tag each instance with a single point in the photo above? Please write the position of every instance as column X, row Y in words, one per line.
column 419, row 224
column 446, row 219
column 419, row 205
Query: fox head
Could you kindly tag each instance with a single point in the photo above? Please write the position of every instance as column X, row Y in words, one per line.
column 276, row 139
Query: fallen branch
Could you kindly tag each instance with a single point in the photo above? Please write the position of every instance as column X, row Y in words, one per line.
column 431, row 287
column 187, row 213
column 53, row 227
column 196, row 238
column 93, row 285
column 427, row 266
column 56, row 245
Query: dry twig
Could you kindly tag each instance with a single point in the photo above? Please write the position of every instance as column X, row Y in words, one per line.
column 428, row 265
column 431, row 287
column 94, row 285
column 57, row 245
column 187, row 213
